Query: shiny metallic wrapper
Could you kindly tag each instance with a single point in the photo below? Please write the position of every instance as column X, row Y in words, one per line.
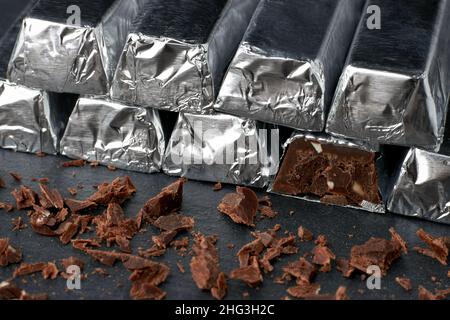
column 222, row 148
column 31, row 120
column 111, row 133
column 326, row 139
column 288, row 64
column 423, row 187
column 396, row 84
column 55, row 54
column 176, row 57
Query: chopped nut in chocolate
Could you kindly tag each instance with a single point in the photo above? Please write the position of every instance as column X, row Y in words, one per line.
column 240, row 206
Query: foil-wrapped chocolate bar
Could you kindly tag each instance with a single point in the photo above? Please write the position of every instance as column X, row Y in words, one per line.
column 287, row 66
column 320, row 168
column 396, row 84
column 72, row 45
column 111, row 133
column 422, row 187
column 222, row 148
column 32, row 120
column 176, row 56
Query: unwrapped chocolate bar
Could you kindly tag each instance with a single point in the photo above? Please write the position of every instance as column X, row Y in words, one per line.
column 222, row 148
column 332, row 171
column 111, row 133
column 177, row 54
column 32, row 120
column 396, row 84
column 72, row 46
column 289, row 62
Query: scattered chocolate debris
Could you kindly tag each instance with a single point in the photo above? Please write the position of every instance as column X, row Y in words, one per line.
column 267, row 212
column 50, row 198
column 29, row 268
column 166, row 202
column 438, row 248
column 18, row 224
column 304, row 234
column 240, row 206
column 305, row 290
column 25, row 197
column 323, row 256
column 16, row 176
column 154, row 251
column 145, row 281
column 217, row 187
column 376, row 251
column 174, row 222
column 180, row 267
column 405, row 283
column 205, row 266
column 8, row 254
column 74, row 163
column 397, row 238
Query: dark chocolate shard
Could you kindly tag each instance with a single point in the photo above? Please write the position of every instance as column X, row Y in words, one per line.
column 304, row 290
column 323, row 256
column 335, row 174
column 16, row 176
column 166, row 202
column 145, row 282
column 240, row 206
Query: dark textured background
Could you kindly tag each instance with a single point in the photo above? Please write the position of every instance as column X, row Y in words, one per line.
column 343, row 227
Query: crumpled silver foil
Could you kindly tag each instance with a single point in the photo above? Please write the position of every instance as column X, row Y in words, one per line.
column 177, row 63
column 396, row 84
column 327, row 139
column 59, row 57
column 111, row 133
column 30, row 120
column 288, row 64
column 423, row 187
column 222, row 148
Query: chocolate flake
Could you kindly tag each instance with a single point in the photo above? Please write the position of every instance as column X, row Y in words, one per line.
column 164, row 239
column 304, row 290
column 304, row 234
column 174, row 222
column 397, row 238
column 16, row 176
column 145, row 282
column 74, row 163
column 250, row 274
column 217, row 187
column 9, row 291
column 240, row 206
column 6, row 206
column 25, row 197
column 18, row 224
column 26, row 269
column 118, row 191
column 343, row 265
column 8, row 254
column 72, row 261
column 438, row 248
column 166, row 202
column 424, row 294
column 76, row 206
column 50, row 271
column 51, row 198
column 322, row 255
column 301, row 269
column 405, row 283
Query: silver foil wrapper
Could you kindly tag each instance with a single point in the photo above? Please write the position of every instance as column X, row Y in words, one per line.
column 326, row 139
column 176, row 56
column 422, row 189
column 54, row 55
column 222, row 148
column 396, row 84
column 111, row 133
column 288, row 64
column 31, row 120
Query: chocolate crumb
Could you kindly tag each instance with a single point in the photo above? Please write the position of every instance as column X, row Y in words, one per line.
column 304, row 234
column 2, row 183
column 174, row 222
column 17, row 224
column 240, row 206
column 180, row 267
column 301, row 269
column 6, row 206
column 250, row 274
column 405, row 283
column 73, row 191
column 217, row 187
column 16, row 176
column 25, row 197
column 26, row 269
column 304, row 290
column 50, row 271
column 8, row 254
column 74, row 163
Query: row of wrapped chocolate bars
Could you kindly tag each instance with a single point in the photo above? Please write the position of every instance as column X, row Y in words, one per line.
column 362, row 85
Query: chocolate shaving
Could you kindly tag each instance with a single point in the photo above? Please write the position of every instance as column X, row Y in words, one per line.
column 323, row 256
column 154, row 251
column 438, row 248
column 51, row 198
column 240, row 206
column 304, row 234
column 250, row 274
column 145, row 281
column 16, row 176
column 74, row 163
column 25, row 197
column 267, row 212
column 18, row 224
column 166, row 202
column 50, row 271
column 174, row 222
column 26, row 269
column 343, row 265
column 164, row 239
column 9, row 291
column 424, row 294
column 304, row 291
column 405, row 283
column 72, row 261
column 395, row 237
column 8, row 254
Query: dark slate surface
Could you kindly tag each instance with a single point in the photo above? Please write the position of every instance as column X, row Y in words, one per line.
column 201, row 202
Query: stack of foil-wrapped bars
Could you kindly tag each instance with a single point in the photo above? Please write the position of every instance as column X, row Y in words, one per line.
column 361, row 87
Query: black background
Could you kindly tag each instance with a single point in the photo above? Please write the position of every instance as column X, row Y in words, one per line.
column 343, row 227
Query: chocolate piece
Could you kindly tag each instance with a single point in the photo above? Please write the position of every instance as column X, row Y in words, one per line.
column 18, row 224
column 240, row 206
column 16, row 176
column 8, row 254
column 335, row 174
column 301, row 269
column 76, row 206
column 9, row 291
column 304, row 290
column 154, row 251
column 2, row 183
column 51, row 198
column 343, row 265
column 25, row 197
column 424, row 294
column 205, row 266
column 6, row 206
column 50, row 271
column 376, row 251
column 395, row 237
column 72, row 261
column 304, row 234
column 267, row 212
column 217, row 187
column 250, row 274
column 166, row 202
column 164, row 239
column 322, row 255
column 174, row 222
column 146, row 280
column 405, row 283
column 180, row 267
column 74, row 163
column 438, row 248
column 26, row 269
column 118, row 191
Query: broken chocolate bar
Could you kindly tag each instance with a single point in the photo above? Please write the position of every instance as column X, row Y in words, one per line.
column 330, row 171
column 289, row 62
column 240, row 206
column 177, row 52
